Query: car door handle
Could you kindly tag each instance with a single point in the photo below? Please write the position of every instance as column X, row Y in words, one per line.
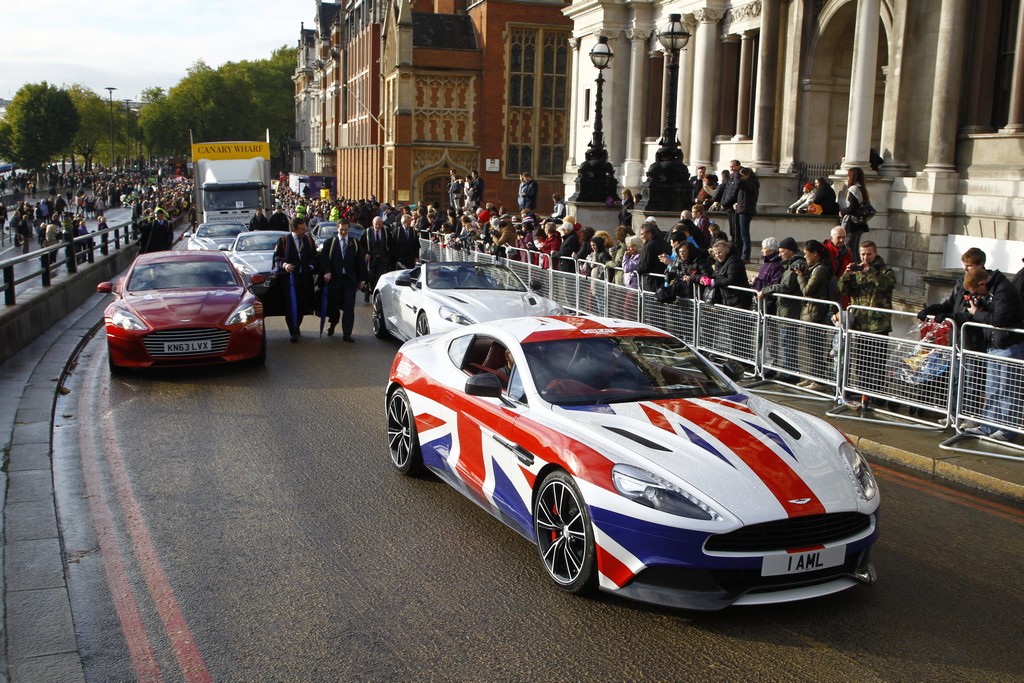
column 524, row 456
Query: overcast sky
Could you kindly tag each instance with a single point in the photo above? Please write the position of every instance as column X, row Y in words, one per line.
column 137, row 44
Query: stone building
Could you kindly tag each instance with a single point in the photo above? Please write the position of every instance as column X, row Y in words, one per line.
column 789, row 87
column 422, row 87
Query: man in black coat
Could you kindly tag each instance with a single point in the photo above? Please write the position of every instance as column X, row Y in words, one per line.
column 649, row 266
column 295, row 261
column 343, row 269
column 567, row 251
column 259, row 221
column 377, row 246
column 407, row 243
column 161, row 233
column 278, row 220
column 726, row 195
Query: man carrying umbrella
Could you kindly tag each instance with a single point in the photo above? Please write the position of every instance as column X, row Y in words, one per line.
column 295, row 261
column 343, row 270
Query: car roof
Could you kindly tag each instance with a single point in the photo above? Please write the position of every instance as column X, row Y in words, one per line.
column 180, row 256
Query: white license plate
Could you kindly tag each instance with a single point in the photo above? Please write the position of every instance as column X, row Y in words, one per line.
column 798, row 563
column 188, row 347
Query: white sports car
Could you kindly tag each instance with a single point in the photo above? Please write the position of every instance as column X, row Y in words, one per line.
column 437, row 297
column 215, row 236
column 633, row 464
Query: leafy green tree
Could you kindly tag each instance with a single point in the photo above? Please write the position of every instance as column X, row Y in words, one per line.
column 94, row 130
column 41, row 123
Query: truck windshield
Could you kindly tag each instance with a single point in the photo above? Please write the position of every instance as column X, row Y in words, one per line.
column 239, row 198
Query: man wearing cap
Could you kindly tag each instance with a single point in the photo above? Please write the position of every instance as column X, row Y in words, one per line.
column 650, row 267
column 792, row 264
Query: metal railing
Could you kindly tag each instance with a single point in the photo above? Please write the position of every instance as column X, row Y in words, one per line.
column 920, row 380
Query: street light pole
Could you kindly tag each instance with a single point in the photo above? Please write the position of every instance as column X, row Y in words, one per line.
column 110, row 95
column 667, row 187
column 127, row 134
column 596, row 179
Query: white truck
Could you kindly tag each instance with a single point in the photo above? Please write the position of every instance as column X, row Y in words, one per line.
column 232, row 180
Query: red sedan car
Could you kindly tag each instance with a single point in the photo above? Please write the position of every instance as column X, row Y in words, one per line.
column 177, row 308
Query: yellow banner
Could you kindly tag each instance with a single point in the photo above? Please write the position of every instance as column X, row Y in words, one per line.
column 230, row 150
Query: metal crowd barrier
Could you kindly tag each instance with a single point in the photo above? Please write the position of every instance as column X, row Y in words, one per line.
column 896, row 372
column 990, row 393
column 937, row 381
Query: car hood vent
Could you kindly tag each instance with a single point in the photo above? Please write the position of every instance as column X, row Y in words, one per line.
column 786, row 425
column 647, row 443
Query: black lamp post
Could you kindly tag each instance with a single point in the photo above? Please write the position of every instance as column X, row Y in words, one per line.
column 667, row 187
column 596, row 179
column 110, row 95
column 127, row 134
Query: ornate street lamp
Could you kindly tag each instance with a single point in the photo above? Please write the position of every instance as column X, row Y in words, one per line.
column 667, row 187
column 596, row 179
column 110, row 95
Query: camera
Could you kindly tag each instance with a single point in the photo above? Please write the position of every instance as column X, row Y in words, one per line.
column 979, row 301
column 856, row 267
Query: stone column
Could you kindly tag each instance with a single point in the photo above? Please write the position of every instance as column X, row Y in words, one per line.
column 633, row 166
column 574, row 114
column 1015, row 122
column 767, row 87
column 705, row 70
column 743, row 87
column 862, row 85
column 946, row 90
column 684, row 98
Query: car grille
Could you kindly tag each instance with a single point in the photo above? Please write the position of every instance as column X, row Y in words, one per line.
column 787, row 534
column 155, row 342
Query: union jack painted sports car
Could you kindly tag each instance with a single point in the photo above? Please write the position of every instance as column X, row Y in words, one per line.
column 635, row 465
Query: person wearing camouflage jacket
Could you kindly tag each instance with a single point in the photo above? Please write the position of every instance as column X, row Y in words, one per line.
column 869, row 283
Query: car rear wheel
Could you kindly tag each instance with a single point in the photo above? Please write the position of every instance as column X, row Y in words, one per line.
column 565, row 535
column 422, row 325
column 380, row 328
column 403, row 441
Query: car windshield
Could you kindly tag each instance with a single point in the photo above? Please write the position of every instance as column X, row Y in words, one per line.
column 614, row 369
column 182, row 275
column 472, row 276
column 220, row 230
column 256, row 242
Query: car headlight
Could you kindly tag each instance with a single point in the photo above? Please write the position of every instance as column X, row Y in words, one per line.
column 126, row 321
column 860, row 471
column 453, row 316
column 647, row 489
column 242, row 315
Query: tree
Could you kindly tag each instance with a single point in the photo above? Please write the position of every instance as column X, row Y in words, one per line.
column 95, row 127
column 41, row 122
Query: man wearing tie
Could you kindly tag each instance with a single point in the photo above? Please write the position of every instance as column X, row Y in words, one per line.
column 295, row 261
column 407, row 243
column 378, row 253
column 344, row 273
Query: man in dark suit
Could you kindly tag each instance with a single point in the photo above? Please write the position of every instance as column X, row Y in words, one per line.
column 407, row 243
column 295, row 261
column 377, row 249
column 343, row 270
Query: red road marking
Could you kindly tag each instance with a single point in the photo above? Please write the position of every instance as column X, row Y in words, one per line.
column 180, row 637
column 141, row 650
column 942, row 491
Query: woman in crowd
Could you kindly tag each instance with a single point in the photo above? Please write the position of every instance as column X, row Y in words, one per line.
column 856, row 196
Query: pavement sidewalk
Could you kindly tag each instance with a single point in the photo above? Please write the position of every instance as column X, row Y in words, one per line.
column 39, row 632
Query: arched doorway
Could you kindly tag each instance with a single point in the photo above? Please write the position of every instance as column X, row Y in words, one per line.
column 826, row 88
column 435, row 189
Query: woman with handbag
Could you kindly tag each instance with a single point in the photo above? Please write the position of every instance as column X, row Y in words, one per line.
column 858, row 209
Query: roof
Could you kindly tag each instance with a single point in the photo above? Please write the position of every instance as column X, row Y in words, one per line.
column 443, row 31
column 328, row 13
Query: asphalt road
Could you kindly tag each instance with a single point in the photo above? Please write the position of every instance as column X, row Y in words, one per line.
column 246, row 525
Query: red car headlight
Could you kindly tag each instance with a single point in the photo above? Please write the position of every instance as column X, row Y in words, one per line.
column 126, row 320
column 242, row 315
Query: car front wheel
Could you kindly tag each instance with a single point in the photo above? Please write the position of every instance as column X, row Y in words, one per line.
column 422, row 325
column 403, row 441
column 565, row 535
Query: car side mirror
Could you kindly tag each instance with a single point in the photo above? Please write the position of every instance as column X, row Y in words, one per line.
column 224, row 247
column 733, row 369
column 485, row 384
column 105, row 287
column 403, row 281
column 537, row 286
column 257, row 279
